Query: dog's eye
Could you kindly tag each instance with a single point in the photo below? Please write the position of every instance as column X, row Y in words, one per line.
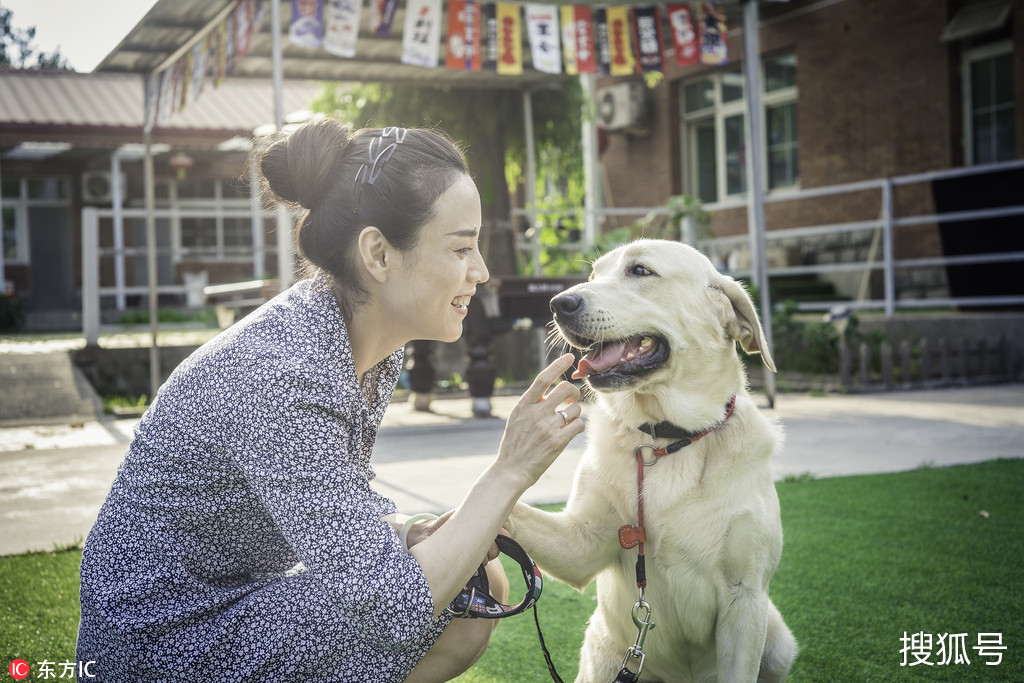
column 640, row 270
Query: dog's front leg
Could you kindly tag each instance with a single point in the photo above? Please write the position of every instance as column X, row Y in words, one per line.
column 572, row 545
column 747, row 562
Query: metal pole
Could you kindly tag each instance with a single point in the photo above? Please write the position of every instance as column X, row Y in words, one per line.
column 117, row 200
column 888, row 258
column 3, row 281
column 755, row 187
column 151, row 265
column 531, row 177
column 90, row 276
column 591, row 173
column 284, row 218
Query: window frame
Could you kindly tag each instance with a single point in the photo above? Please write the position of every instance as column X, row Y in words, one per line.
column 969, row 58
column 21, row 206
column 718, row 112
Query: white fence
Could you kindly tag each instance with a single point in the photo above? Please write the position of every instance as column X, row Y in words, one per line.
column 93, row 252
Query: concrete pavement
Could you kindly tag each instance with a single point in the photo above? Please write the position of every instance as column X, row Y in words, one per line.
column 54, row 478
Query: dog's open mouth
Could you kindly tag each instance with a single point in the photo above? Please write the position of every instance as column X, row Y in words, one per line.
column 613, row 362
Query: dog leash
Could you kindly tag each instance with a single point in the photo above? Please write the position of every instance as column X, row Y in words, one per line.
column 631, row 536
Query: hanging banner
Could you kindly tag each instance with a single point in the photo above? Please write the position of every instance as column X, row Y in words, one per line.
column 583, row 33
column 567, row 19
column 684, row 37
column 619, row 41
column 259, row 13
column 421, row 34
column 543, row 31
column 604, row 48
column 243, row 27
column 186, row 79
column 307, row 27
column 510, row 34
column 489, row 25
column 714, row 48
column 382, row 13
column 341, row 27
column 229, row 45
column 165, row 94
column 464, row 40
column 199, row 53
column 647, row 35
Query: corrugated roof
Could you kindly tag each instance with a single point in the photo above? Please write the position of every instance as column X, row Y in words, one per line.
column 63, row 99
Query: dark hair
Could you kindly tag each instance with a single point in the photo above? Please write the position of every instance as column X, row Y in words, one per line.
column 315, row 167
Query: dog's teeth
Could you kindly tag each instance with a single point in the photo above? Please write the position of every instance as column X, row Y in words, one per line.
column 645, row 342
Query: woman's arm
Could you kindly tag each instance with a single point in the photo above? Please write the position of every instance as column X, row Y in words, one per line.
column 534, row 436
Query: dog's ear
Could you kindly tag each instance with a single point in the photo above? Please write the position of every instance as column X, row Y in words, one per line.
column 745, row 326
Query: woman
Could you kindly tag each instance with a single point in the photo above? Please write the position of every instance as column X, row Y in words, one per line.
column 254, row 456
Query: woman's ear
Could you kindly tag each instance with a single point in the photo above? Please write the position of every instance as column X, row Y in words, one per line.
column 374, row 250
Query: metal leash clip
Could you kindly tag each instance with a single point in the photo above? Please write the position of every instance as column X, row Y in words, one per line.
column 643, row 623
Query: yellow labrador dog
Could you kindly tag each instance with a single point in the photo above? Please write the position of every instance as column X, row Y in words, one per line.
column 673, row 416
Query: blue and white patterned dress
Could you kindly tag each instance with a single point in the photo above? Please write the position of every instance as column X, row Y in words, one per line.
column 254, row 457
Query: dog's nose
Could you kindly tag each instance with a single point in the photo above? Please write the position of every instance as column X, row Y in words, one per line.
column 567, row 305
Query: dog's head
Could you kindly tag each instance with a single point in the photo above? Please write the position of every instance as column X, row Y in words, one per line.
column 655, row 311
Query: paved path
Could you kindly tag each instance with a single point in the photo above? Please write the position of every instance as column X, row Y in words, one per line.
column 53, row 479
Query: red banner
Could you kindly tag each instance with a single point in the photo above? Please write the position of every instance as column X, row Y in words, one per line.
column 684, row 35
column 463, row 35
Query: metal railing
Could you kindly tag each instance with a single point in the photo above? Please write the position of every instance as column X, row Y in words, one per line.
column 883, row 229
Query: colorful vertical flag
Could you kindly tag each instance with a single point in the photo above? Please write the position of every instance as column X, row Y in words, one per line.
column 243, row 26
column 165, row 95
column 567, row 18
column 604, row 48
column 647, row 35
column 199, row 53
column 619, row 41
column 307, row 27
column 543, row 31
column 421, row 34
column 229, row 44
column 382, row 14
column 510, row 35
column 714, row 47
column 464, row 40
column 586, row 50
column 489, row 28
column 341, row 26
column 684, row 35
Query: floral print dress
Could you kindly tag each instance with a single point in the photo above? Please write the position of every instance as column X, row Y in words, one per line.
column 241, row 540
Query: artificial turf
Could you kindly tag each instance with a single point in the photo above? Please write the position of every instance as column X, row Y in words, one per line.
column 868, row 561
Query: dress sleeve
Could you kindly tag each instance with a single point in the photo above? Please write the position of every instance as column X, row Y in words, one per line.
column 292, row 445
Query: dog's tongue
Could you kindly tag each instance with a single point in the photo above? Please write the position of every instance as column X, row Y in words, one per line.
column 604, row 357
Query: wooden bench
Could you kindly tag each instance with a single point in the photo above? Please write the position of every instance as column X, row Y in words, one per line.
column 239, row 297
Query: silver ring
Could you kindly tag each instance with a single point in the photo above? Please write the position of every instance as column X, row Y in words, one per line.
column 565, row 417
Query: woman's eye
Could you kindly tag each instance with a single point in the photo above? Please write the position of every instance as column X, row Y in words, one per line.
column 640, row 270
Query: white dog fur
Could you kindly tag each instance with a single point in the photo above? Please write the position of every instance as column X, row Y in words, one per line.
column 714, row 536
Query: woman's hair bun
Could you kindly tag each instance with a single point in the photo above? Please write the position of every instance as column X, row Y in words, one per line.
column 299, row 166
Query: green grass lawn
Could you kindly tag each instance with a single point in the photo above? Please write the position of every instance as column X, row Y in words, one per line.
column 866, row 560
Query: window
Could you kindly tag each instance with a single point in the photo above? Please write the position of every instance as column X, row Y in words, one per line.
column 988, row 103
column 23, row 198
column 714, row 120
column 220, row 236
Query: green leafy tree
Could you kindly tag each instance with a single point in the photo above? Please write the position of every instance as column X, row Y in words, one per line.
column 490, row 123
column 17, row 49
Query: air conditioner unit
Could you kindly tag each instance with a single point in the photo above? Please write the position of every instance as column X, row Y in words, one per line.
column 97, row 187
column 624, row 107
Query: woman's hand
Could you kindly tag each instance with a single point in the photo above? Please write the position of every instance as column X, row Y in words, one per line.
column 541, row 425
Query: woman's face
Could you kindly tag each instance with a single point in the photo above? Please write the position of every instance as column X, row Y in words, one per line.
column 433, row 282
